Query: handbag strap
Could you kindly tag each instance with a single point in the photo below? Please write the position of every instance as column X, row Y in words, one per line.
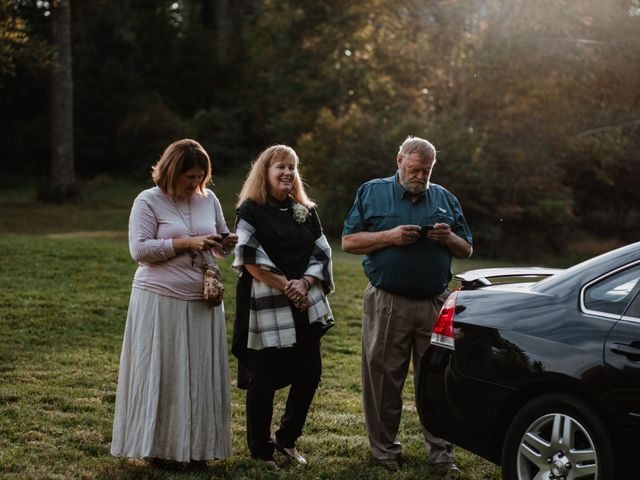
column 208, row 262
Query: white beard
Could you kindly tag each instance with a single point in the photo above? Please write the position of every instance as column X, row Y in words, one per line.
column 414, row 188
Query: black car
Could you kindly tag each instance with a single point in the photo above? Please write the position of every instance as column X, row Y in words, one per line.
column 541, row 377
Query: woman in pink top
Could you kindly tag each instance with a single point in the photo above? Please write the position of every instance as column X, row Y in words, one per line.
column 173, row 400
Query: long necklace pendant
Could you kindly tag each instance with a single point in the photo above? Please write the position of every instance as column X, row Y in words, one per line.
column 192, row 254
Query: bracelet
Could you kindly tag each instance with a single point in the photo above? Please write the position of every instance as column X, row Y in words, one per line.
column 307, row 284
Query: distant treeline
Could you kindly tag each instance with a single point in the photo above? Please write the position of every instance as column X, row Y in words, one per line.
column 534, row 106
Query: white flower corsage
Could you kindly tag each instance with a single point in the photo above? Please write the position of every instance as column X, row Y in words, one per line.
column 300, row 212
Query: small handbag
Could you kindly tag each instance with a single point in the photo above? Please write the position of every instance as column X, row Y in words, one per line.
column 213, row 290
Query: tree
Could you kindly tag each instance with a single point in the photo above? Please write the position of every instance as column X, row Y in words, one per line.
column 12, row 38
column 62, row 176
column 533, row 106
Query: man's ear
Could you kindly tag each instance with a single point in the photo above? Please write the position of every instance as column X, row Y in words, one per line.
column 399, row 159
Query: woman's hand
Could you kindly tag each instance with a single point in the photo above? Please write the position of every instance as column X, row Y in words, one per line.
column 296, row 291
column 227, row 243
column 203, row 242
column 198, row 244
column 230, row 241
column 224, row 244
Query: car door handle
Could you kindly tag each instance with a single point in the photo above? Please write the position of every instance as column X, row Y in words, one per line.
column 626, row 350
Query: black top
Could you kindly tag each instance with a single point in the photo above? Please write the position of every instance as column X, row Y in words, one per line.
column 288, row 244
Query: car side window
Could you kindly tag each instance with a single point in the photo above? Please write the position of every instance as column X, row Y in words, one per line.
column 634, row 308
column 614, row 293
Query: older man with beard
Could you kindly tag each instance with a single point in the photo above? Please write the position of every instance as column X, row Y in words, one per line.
column 408, row 229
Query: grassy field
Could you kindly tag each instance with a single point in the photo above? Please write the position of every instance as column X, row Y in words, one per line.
column 64, row 289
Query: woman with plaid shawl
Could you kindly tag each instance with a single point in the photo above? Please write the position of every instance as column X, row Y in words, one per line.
column 282, row 312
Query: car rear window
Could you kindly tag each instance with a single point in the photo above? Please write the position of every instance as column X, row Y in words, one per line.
column 613, row 293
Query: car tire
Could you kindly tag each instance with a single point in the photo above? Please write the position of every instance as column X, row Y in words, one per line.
column 557, row 435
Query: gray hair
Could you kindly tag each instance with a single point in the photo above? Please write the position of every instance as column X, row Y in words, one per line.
column 418, row 145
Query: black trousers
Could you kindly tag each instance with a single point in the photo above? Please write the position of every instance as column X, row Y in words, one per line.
column 301, row 365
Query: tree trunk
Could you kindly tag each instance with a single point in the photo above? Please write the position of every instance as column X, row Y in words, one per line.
column 186, row 16
column 225, row 30
column 62, row 178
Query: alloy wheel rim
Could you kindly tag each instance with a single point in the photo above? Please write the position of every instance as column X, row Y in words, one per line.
column 557, row 447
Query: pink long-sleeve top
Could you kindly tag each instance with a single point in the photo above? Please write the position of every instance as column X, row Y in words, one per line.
column 153, row 224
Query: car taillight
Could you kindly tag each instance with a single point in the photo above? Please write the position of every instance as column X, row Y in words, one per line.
column 442, row 334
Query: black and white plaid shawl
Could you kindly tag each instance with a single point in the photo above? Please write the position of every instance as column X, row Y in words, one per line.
column 270, row 317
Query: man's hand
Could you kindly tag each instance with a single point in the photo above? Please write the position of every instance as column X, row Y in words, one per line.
column 440, row 232
column 404, row 235
column 362, row 243
column 457, row 246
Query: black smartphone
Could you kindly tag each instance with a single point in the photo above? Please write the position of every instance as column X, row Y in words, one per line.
column 425, row 229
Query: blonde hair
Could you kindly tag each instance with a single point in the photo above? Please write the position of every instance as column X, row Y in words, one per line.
column 418, row 145
column 256, row 186
column 178, row 158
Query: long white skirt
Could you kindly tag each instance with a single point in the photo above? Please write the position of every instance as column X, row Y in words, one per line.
column 174, row 398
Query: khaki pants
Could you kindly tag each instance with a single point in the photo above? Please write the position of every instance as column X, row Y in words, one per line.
column 394, row 328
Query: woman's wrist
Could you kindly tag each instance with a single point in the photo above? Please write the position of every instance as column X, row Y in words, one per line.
column 181, row 244
column 307, row 284
column 284, row 282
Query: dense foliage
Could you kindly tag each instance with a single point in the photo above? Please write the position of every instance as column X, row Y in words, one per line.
column 533, row 106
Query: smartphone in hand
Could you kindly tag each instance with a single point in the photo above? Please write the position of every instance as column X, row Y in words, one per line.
column 424, row 229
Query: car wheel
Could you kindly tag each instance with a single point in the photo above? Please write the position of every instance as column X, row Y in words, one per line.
column 557, row 436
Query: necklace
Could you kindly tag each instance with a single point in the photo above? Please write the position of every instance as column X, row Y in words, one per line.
column 184, row 220
column 277, row 203
column 190, row 230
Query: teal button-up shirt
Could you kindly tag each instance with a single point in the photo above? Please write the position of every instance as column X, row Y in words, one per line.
column 419, row 270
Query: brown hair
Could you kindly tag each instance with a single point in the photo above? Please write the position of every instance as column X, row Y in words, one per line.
column 178, row 158
column 256, row 186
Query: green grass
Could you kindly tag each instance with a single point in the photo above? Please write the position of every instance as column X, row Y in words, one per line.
column 64, row 290
column 104, row 207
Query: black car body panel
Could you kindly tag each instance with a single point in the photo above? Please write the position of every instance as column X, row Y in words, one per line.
column 516, row 341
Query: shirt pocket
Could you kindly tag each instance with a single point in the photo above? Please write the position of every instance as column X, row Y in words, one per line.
column 382, row 220
column 442, row 217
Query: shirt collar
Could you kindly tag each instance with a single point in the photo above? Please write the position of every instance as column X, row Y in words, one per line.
column 280, row 204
